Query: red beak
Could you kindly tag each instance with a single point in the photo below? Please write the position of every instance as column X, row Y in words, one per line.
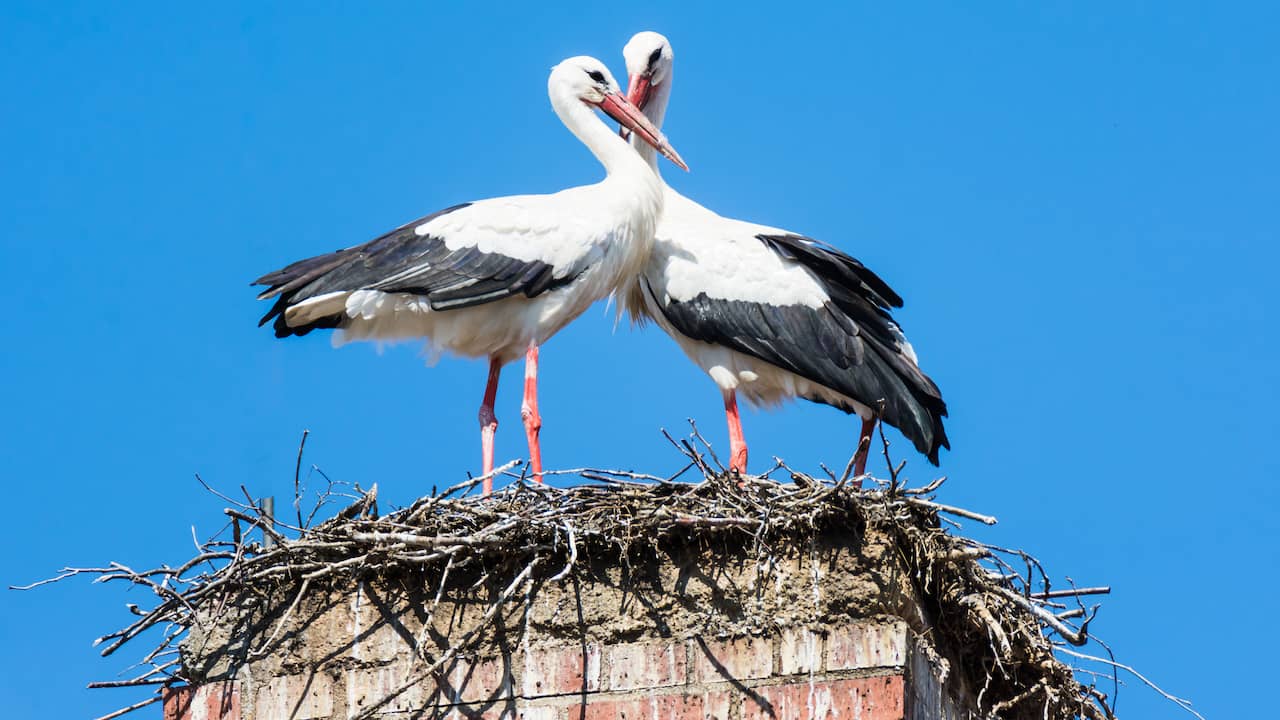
column 629, row 116
column 638, row 87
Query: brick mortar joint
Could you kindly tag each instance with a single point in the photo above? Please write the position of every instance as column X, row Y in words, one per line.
column 694, row 688
column 735, row 695
column 692, row 658
column 236, row 685
column 870, row 671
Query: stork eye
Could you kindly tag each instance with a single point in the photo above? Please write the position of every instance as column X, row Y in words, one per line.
column 596, row 75
column 654, row 56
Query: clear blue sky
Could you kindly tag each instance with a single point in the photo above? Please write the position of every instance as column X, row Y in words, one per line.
column 1078, row 201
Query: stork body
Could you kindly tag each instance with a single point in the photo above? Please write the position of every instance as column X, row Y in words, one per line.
column 772, row 315
column 494, row 278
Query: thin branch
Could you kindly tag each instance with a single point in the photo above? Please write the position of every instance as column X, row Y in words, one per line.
column 1073, row 592
column 997, row 600
column 126, row 710
column 573, row 554
column 710, row 451
column 297, row 477
column 951, row 510
column 1180, row 702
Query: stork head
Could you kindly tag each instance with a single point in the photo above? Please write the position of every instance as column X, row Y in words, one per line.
column 587, row 79
column 649, row 59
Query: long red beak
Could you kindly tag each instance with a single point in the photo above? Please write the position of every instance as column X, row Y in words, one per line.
column 629, row 116
column 638, row 87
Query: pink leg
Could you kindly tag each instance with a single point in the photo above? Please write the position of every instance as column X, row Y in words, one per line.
column 488, row 422
column 529, row 411
column 737, row 444
column 864, row 449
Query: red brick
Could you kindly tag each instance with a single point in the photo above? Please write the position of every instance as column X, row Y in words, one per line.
column 501, row 710
column 177, row 703
column 399, row 687
column 560, row 671
column 715, row 705
column 645, row 665
column 738, row 659
column 800, row 652
column 672, row 706
column 477, row 681
column 391, row 688
column 876, row 698
column 867, row 645
column 544, row 712
column 215, row 701
column 306, row 697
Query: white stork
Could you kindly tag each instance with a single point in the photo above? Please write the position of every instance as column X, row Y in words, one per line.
column 771, row 314
column 495, row 278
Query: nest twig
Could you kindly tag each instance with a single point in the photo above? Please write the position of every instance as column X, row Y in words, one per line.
column 993, row 604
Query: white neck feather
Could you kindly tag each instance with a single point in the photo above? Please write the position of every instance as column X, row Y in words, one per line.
column 610, row 149
column 630, row 186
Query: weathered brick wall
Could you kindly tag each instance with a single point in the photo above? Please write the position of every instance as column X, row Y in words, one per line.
column 829, row 627
column 867, row 670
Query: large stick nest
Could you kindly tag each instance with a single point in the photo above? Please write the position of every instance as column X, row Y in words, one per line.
column 991, row 606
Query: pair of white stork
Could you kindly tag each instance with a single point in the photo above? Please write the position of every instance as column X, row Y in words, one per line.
column 768, row 314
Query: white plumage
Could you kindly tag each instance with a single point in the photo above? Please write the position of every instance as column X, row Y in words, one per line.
column 495, row 278
column 578, row 235
column 769, row 314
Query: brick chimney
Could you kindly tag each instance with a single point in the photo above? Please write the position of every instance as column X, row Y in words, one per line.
column 826, row 628
column 874, row 669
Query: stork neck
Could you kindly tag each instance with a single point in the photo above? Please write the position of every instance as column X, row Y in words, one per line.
column 656, row 111
column 610, row 149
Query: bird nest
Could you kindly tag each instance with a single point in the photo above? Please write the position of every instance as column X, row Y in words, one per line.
column 1018, row 634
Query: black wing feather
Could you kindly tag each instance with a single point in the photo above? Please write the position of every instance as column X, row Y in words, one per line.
column 850, row 344
column 402, row 261
column 830, row 263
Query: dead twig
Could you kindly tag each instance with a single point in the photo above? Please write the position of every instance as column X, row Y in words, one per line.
column 297, row 475
column 130, row 708
column 995, row 602
column 1180, row 702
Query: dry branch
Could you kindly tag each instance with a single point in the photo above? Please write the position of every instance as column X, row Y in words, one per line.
column 994, row 601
